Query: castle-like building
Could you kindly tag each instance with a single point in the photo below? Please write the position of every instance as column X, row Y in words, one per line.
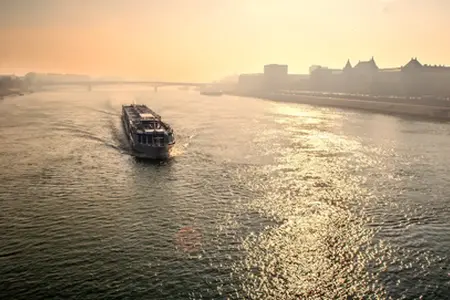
column 412, row 79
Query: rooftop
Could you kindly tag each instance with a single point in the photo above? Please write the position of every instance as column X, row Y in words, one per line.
column 147, row 116
column 370, row 64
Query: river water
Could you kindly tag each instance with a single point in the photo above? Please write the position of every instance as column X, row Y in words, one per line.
column 261, row 200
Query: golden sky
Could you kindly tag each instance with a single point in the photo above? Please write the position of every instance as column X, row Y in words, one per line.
column 202, row 40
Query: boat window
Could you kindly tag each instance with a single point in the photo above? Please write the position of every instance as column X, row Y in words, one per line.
column 144, row 139
column 139, row 138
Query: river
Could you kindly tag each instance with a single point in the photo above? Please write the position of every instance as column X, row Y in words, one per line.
column 261, row 200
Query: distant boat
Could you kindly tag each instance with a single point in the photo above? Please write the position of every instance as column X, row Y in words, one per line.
column 149, row 136
column 210, row 91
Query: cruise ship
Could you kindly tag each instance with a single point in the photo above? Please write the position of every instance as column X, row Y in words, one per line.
column 211, row 91
column 149, row 136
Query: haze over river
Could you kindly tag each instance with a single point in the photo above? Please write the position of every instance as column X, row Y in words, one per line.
column 262, row 200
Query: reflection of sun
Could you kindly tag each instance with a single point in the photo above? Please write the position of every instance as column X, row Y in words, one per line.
column 188, row 239
column 302, row 115
column 289, row 110
column 305, row 115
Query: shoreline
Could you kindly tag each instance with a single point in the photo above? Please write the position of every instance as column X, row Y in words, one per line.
column 10, row 93
column 441, row 113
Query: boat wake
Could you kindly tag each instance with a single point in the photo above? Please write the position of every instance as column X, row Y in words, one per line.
column 109, row 113
column 112, row 135
column 188, row 142
column 119, row 140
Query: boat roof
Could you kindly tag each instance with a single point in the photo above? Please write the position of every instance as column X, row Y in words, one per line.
column 141, row 111
column 145, row 120
column 147, row 116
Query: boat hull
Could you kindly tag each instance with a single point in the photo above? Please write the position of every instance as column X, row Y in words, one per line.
column 211, row 93
column 149, row 152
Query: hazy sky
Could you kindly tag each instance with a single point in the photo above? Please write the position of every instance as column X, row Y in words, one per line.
column 201, row 40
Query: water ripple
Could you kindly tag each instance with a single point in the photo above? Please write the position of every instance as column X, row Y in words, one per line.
column 261, row 200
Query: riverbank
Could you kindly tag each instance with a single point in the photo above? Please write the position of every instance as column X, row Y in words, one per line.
column 10, row 92
column 408, row 109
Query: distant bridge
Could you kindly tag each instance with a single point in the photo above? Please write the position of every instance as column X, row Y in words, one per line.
column 151, row 83
column 89, row 84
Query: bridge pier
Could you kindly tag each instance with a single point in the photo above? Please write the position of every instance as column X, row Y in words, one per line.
column 155, row 89
column 89, row 87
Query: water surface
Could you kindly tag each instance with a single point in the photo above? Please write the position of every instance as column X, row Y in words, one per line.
column 262, row 200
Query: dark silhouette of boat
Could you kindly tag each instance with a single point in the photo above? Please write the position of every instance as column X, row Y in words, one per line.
column 149, row 136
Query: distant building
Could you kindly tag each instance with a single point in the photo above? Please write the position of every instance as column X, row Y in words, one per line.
column 325, row 79
column 388, row 81
column 10, row 82
column 250, row 82
column 275, row 76
column 426, row 79
column 297, row 82
column 313, row 68
column 413, row 79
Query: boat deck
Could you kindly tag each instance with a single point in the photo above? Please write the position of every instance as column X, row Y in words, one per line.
column 145, row 120
column 137, row 112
